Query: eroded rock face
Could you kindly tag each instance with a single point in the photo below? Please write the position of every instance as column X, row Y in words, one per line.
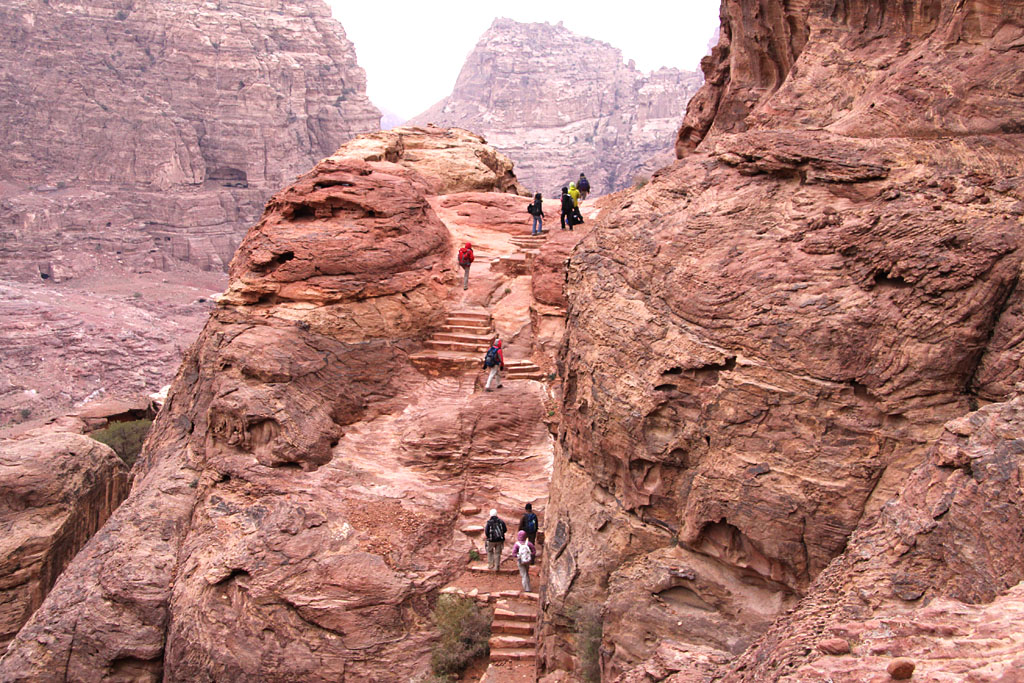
column 142, row 139
column 560, row 104
column 56, row 490
column 762, row 342
column 942, row 564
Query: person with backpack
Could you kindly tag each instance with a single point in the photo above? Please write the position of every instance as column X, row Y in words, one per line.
column 536, row 209
column 583, row 185
column 495, row 361
column 528, row 523
column 466, row 260
column 524, row 552
column 567, row 209
column 574, row 192
column 494, row 533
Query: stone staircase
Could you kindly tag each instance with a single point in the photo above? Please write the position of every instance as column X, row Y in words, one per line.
column 513, row 630
column 461, row 343
column 518, row 263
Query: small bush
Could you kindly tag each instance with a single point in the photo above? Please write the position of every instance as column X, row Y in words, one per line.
column 474, row 555
column 589, row 631
column 137, row 295
column 465, row 630
column 126, row 438
column 26, row 413
column 639, row 181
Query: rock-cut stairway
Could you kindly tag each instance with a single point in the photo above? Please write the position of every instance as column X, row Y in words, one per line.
column 461, row 343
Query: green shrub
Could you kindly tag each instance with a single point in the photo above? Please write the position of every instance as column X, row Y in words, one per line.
column 464, row 629
column 589, row 631
column 26, row 413
column 126, row 438
column 639, row 181
column 474, row 555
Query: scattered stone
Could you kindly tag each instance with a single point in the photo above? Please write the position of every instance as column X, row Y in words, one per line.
column 901, row 669
column 834, row 646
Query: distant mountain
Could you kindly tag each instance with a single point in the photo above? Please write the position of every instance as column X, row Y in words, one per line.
column 559, row 104
column 390, row 119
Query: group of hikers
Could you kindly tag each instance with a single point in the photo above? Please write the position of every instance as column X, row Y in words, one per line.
column 571, row 216
column 524, row 551
column 571, row 198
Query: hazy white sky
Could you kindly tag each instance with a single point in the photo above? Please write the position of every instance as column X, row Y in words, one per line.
column 413, row 51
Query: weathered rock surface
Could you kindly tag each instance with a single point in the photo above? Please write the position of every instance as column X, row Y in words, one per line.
column 560, row 104
column 762, row 342
column 934, row 587
column 298, row 503
column 56, row 490
column 450, row 159
column 143, row 138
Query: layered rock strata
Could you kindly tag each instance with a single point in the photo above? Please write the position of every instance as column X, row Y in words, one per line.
column 763, row 341
column 143, row 138
column 560, row 104
column 56, row 490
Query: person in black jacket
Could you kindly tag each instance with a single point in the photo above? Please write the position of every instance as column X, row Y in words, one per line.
column 583, row 185
column 537, row 211
column 568, row 209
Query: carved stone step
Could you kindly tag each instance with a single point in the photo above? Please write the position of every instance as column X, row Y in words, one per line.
column 504, row 655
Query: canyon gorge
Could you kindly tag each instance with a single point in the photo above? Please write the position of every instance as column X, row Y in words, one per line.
column 768, row 404
column 560, row 104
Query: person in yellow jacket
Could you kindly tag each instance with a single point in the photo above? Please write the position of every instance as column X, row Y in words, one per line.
column 575, row 194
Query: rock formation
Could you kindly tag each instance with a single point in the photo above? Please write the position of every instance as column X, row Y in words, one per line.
column 56, row 490
column 297, row 505
column 560, row 104
column 144, row 137
column 763, row 342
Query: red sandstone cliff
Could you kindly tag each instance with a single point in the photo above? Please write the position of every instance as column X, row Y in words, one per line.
column 141, row 139
column 560, row 104
column 763, row 342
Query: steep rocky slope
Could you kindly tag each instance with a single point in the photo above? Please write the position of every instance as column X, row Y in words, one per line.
column 299, row 501
column 763, row 342
column 56, row 490
column 144, row 137
column 560, row 104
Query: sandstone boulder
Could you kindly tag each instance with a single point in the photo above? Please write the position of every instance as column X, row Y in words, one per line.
column 56, row 490
column 450, row 159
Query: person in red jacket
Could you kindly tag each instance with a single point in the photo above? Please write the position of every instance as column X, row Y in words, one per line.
column 495, row 362
column 466, row 260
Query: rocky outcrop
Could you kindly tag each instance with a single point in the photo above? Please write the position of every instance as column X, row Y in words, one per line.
column 560, row 104
column 299, row 501
column 450, row 159
column 142, row 139
column 763, row 341
column 56, row 490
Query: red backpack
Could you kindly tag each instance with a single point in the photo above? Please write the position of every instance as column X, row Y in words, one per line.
column 465, row 256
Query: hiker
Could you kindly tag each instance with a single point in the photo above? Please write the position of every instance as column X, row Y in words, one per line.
column 495, row 361
column 537, row 211
column 528, row 523
column 524, row 552
column 466, row 260
column 567, row 214
column 494, row 532
column 583, row 185
column 577, row 217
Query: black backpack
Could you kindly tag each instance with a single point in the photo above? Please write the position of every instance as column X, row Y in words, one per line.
column 583, row 184
column 531, row 209
column 491, row 359
column 494, row 530
column 531, row 523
